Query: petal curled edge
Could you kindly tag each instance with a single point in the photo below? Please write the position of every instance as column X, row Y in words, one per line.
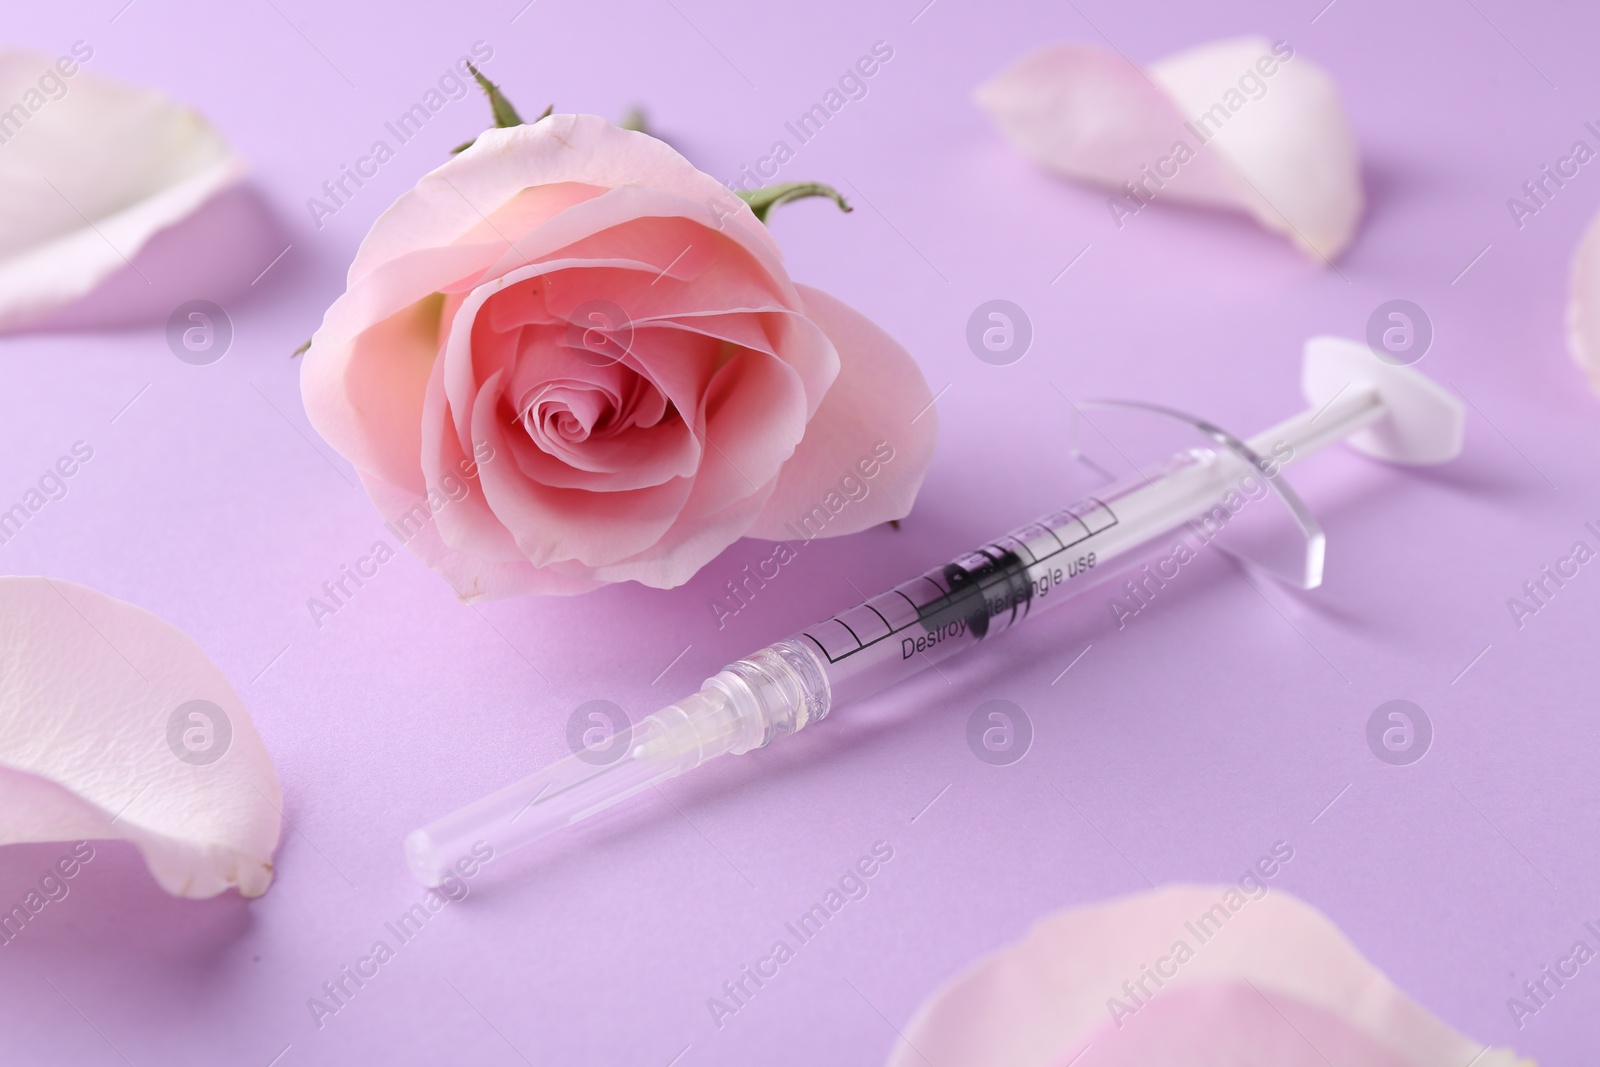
column 90, row 177
column 1278, row 147
column 879, row 398
column 1094, row 116
column 1292, row 145
column 1583, row 308
column 474, row 577
column 92, row 724
column 1037, row 1003
column 451, row 202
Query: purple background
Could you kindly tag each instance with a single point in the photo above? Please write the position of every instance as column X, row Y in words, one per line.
column 1220, row 721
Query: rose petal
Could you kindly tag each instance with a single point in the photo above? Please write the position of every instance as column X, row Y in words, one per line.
column 1583, row 309
column 1294, row 145
column 451, row 229
column 362, row 431
column 502, row 164
column 87, row 178
column 1094, row 116
column 674, row 560
column 92, row 725
column 474, row 574
column 879, row 396
column 1280, row 148
column 1059, row 996
column 363, row 396
column 552, row 524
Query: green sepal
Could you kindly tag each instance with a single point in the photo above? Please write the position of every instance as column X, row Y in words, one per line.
column 764, row 199
column 504, row 112
column 636, row 120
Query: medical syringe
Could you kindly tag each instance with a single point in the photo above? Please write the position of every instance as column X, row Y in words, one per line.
column 1387, row 411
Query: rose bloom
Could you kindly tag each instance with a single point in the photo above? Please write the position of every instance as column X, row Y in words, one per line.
column 567, row 358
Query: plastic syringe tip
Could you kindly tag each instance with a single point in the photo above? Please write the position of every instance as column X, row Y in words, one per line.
column 678, row 738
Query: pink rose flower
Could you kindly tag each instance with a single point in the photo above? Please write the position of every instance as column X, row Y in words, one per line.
column 568, row 358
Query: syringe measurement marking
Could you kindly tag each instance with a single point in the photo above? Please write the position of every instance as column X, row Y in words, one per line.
column 902, row 596
column 946, row 597
column 934, row 607
column 1003, row 572
column 1017, row 538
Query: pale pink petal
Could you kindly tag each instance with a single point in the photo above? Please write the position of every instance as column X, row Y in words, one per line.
column 878, row 406
column 365, row 396
column 551, row 524
column 470, row 205
column 1235, row 1025
column 567, row 284
column 1276, row 145
column 1096, row 117
column 583, row 149
column 1583, row 309
column 750, row 414
column 474, row 575
column 752, row 417
column 1267, row 980
column 99, row 739
column 478, row 575
column 527, row 210
column 1293, row 144
column 641, row 222
column 400, row 283
column 90, row 176
column 689, row 545
column 605, row 435
column 469, row 526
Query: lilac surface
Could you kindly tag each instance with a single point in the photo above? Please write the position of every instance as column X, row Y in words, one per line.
column 1223, row 719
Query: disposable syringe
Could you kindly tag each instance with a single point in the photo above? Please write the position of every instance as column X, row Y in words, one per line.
column 1387, row 411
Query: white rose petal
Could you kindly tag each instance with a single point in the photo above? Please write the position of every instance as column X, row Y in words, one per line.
column 114, row 724
column 90, row 170
column 1277, row 145
column 1260, row 979
column 1583, row 310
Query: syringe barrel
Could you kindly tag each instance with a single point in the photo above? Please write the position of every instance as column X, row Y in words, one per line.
column 987, row 591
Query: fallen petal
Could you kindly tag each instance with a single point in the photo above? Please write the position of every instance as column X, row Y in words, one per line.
column 114, row 724
column 90, row 170
column 1243, row 124
column 1264, row 979
column 1583, row 310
